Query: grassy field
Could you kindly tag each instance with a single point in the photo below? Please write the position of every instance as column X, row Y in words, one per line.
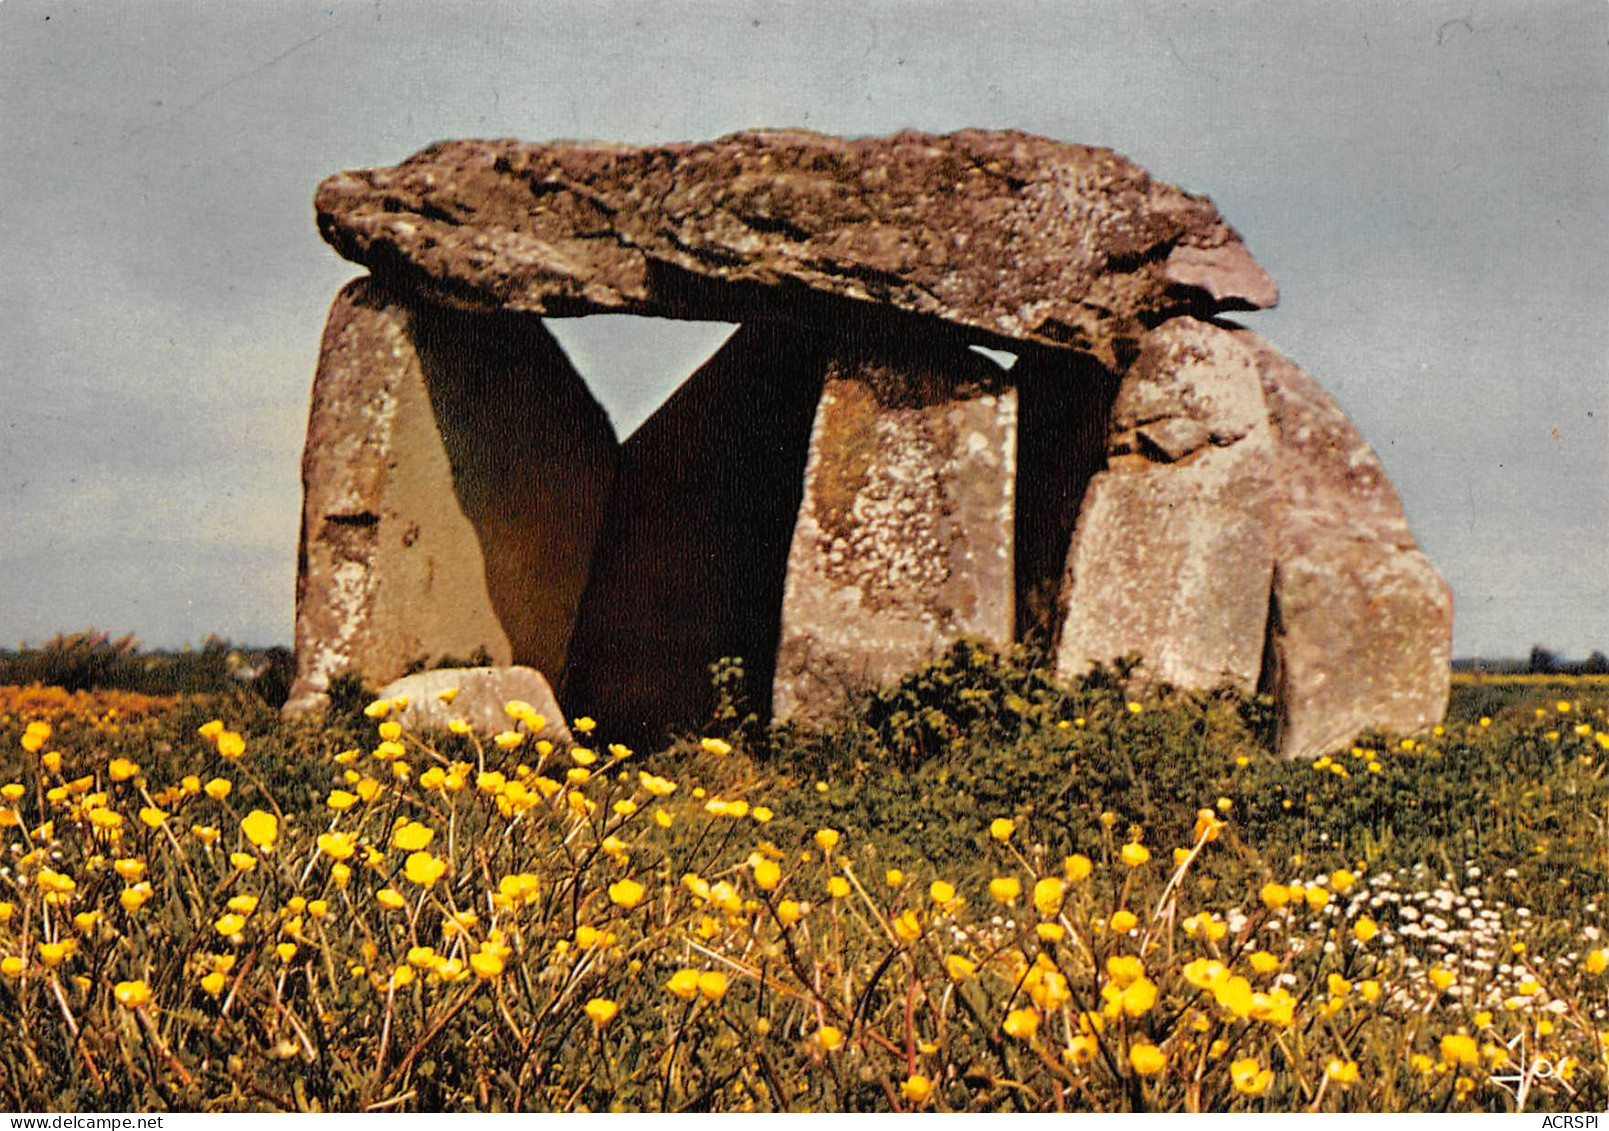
column 983, row 890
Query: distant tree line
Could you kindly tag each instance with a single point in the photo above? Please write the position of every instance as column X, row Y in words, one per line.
column 1542, row 661
column 91, row 660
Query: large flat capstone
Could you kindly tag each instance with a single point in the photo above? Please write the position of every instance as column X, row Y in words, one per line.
column 1016, row 237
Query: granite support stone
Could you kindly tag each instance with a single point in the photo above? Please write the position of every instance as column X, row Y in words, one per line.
column 1173, row 552
column 445, row 510
column 690, row 564
column 904, row 541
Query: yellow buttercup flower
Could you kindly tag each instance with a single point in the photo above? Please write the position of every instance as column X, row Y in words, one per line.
column 827, row 839
column 959, row 968
column 1365, row 929
column 1459, row 1050
column 1134, row 854
column 1006, row 889
column 424, row 869
column 261, row 828
column 941, row 892
column 1249, row 1077
column 1048, row 895
column 1124, row 921
column 131, row 995
column 684, row 984
column 767, row 874
column 601, row 1010
column 486, row 965
column 1077, row 867
column 829, row 1038
column 626, row 893
column 916, row 1088
column 712, row 985
column 1146, row 1059
column 121, row 769
column 1022, row 1024
column 1001, row 828
column 337, row 846
column 231, row 744
column 411, row 836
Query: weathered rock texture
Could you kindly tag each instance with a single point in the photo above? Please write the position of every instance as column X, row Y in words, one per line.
column 1172, row 553
column 452, row 481
column 480, row 699
column 390, row 568
column 845, row 488
column 1014, row 236
column 904, row 540
column 691, row 559
column 1244, row 534
column 1361, row 622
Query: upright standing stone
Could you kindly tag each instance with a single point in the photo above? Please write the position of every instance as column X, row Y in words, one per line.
column 1172, row 553
column 1361, row 622
column 400, row 493
column 690, row 563
column 533, row 455
column 904, row 541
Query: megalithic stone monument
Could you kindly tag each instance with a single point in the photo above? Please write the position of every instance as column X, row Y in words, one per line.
column 846, row 488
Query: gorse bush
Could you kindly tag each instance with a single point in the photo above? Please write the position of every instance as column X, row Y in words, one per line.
column 981, row 890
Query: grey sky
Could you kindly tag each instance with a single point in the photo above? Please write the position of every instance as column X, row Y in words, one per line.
column 1428, row 182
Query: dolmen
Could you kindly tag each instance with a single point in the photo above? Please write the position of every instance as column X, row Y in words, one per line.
column 848, row 486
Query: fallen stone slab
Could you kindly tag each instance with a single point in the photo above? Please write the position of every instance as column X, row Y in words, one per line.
column 478, row 696
column 1015, row 237
column 904, row 541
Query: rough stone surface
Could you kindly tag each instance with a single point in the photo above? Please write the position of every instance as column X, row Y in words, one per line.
column 1016, row 237
column 433, row 434
column 389, row 566
column 1172, row 554
column 1361, row 632
column 482, row 693
column 1245, row 533
column 532, row 454
column 691, row 560
column 904, row 541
